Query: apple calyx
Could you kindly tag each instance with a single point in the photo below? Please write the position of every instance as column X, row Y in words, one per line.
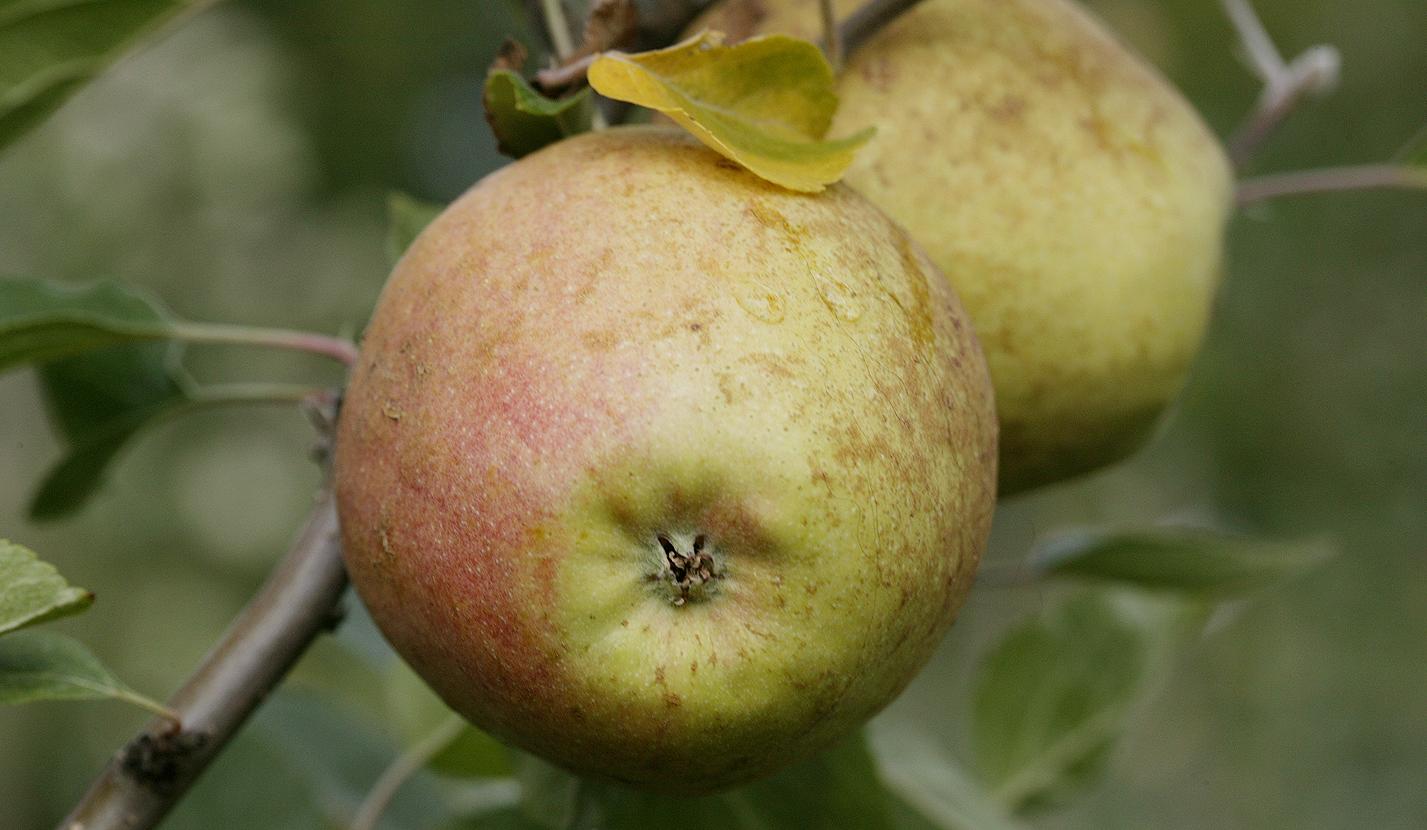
column 690, row 574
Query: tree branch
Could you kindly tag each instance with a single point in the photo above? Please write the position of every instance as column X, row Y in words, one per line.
column 557, row 27
column 298, row 601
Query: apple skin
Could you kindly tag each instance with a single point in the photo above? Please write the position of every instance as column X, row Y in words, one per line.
column 1067, row 190
column 625, row 336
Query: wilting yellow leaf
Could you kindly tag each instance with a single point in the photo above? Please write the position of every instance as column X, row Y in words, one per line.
column 765, row 103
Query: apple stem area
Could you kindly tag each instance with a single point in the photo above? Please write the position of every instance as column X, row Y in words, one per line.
column 688, row 571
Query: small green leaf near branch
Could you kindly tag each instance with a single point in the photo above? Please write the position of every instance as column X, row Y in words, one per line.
column 1187, row 561
column 32, row 590
column 43, row 321
column 930, row 782
column 81, row 470
column 42, row 665
column 1053, row 695
column 108, row 365
column 525, row 120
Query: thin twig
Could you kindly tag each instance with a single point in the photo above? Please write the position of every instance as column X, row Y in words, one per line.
column 298, row 601
column 558, row 27
column 1331, row 179
column 402, row 768
column 1263, row 56
column 564, row 75
column 1285, row 83
column 832, row 38
column 868, row 20
column 339, row 349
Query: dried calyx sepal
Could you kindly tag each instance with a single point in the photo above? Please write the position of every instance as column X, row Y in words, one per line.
column 688, row 571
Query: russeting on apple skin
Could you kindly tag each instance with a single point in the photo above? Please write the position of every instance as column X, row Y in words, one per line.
column 1073, row 197
column 662, row 472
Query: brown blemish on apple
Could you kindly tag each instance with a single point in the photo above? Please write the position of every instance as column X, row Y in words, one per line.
column 387, row 557
column 773, row 364
column 1007, row 108
column 772, row 218
column 600, row 341
column 919, row 315
column 727, row 388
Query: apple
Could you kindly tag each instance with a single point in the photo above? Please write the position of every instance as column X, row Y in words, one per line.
column 1071, row 195
column 662, row 472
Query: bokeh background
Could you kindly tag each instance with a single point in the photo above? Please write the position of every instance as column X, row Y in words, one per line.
column 239, row 169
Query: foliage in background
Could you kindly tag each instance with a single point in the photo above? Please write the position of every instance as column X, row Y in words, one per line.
column 52, row 49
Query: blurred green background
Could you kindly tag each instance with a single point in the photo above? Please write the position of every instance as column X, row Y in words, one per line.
column 239, row 168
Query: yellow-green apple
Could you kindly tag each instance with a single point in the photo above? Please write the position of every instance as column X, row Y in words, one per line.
column 660, row 471
column 1074, row 199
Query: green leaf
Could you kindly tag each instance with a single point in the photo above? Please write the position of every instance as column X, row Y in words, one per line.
column 407, row 217
column 108, row 371
column 42, row 321
column 340, row 753
column 523, row 120
column 932, row 788
column 50, row 48
column 418, row 712
column 836, row 790
column 42, row 665
column 80, row 473
column 1185, row 560
column 1053, row 695
column 765, row 103
column 99, row 401
column 32, row 591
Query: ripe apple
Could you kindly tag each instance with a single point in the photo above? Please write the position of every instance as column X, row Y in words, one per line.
column 1074, row 199
column 660, row 471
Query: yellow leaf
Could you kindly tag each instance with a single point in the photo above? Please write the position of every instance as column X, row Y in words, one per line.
column 765, row 103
